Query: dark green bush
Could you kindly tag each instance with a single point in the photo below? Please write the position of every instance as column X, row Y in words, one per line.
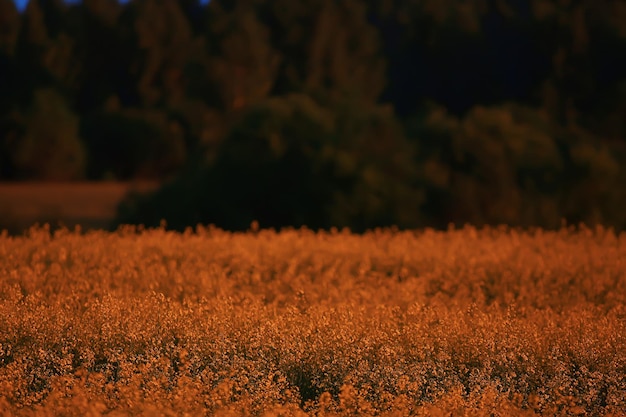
column 513, row 165
column 290, row 161
column 48, row 146
column 132, row 143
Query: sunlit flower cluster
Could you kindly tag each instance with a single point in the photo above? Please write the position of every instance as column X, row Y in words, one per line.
column 302, row 323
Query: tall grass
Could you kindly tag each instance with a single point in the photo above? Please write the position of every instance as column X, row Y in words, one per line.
column 463, row 322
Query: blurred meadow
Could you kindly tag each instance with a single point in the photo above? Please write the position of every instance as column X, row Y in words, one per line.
column 490, row 321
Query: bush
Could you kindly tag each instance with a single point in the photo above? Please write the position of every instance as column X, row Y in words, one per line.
column 290, row 161
column 513, row 165
column 50, row 147
column 132, row 143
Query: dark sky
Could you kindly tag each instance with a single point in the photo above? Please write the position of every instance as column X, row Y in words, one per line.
column 21, row 4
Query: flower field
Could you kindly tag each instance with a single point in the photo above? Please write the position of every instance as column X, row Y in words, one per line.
column 476, row 322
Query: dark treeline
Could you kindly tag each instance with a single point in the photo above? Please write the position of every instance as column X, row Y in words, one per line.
column 358, row 113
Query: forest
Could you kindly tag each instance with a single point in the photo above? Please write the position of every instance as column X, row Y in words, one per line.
column 352, row 113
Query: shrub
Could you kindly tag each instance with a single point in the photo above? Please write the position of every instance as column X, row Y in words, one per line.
column 291, row 161
column 50, row 147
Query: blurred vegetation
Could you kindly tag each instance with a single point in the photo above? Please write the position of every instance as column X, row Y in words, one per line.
column 357, row 113
column 467, row 322
column 49, row 146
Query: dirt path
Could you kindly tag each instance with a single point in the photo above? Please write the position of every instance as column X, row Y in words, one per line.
column 90, row 204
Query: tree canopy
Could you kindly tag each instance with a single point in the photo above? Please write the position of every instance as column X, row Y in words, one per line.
column 358, row 113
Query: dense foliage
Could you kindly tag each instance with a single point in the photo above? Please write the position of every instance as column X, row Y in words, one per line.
column 365, row 112
column 465, row 322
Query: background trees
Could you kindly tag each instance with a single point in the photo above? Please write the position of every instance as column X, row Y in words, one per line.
column 357, row 113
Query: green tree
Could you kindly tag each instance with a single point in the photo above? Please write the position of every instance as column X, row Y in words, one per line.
column 46, row 47
column 329, row 48
column 594, row 184
column 515, row 168
column 265, row 170
column 269, row 166
column 161, row 38
column 134, row 95
column 127, row 143
column 50, row 147
column 371, row 155
column 243, row 65
column 586, row 42
column 105, row 55
column 9, row 28
column 290, row 161
column 10, row 24
column 31, row 46
column 514, row 165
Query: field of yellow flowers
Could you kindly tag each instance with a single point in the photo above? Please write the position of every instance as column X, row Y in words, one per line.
column 299, row 323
